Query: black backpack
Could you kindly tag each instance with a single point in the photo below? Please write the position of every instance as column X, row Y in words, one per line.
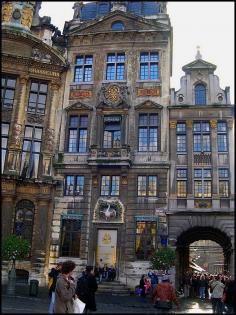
column 82, row 288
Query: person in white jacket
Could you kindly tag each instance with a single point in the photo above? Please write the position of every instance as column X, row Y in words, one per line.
column 217, row 289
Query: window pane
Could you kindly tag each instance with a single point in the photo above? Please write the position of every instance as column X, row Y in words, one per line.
column 206, row 146
column 181, row 143
column 87, row 73
column 111, row 58
column 206, row 173
column 223, row 172
column 38, row 133
column 78, row 74
column 143, row 120
column 82, row 140
column 83, row 121
column 5, row 129
column 69, row 185
column 4, row 142
column 181, row 127
column 207, row 188
column 144, row 71
column 115, row 186
column 224, row 188
column 153, row 71
column 197, row 127
column 79, row 190
column 34, row 166
column 200, row 94
column 34, row 86
column 152, row 186
column 181, row 188
column 153, row 139
column 42, row 99
column 145, row 239
column 26, row 145
column 11, row 83
column 144, row 57
column 153, row 121
column 74, row 121
column 142, row 185
column 110, row 72
column 120, row 57
column 205, row 126
column 89, row 59
column 116, row 139
column 80, row 60
column 72, row 140
column 120, row 71
column 36, row 146
column 181, row 173
column 9, row 94
column 43, row 88
column 197, row 188
column 107, row 141
column 197, row 173
column 143, row 139
column 154, row 56
column 197, row 143
column 222, row 143
column 105, row 185
column 221, row 126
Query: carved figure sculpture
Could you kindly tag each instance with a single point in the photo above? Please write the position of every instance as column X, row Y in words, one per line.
column 27, row 16
column 108, row 212
column 7, row 9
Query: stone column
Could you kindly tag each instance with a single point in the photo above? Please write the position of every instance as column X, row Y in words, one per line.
column 17, row 131
column 214, row 159
column 49, row 133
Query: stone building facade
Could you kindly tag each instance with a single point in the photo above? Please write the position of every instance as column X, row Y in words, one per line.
column 113, row 153
column 90, row 149
column 201, row 196
column 32, row 86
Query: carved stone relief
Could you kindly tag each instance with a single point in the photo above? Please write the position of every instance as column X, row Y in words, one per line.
column 16, row 134
column 113, row 95
column 49, row 139
column 7, row 9
column 109, row 210
column 37, row 119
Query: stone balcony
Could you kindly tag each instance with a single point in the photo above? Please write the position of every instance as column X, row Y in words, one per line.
column 120, row 156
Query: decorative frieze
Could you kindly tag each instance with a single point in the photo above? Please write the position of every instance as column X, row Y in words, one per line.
column 80, row 94
column 149, row 92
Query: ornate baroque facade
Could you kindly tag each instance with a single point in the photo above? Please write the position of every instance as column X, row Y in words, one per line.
column 92, row 148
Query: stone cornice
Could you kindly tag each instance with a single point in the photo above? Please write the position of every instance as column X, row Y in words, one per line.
column 202, row 108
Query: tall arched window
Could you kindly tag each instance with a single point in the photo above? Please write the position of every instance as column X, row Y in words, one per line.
column 200, row 94
column 24, row 219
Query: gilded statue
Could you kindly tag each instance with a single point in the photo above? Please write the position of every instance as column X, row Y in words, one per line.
column 7, row 9
column 27, row 16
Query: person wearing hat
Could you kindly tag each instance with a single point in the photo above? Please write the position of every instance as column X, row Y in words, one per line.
column 164, row 295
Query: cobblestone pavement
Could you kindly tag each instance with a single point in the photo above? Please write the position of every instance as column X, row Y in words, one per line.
column 106, row 304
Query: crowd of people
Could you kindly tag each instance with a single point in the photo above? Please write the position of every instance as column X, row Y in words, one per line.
column 219, row 288
column 103, row 272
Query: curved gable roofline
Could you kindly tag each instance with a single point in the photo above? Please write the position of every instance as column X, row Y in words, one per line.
column 37, row 42
column 156, row 25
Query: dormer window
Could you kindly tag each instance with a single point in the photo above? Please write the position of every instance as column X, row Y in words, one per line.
column 144, row 7
column 117, row 26
column 200, row 94
column 90, row 11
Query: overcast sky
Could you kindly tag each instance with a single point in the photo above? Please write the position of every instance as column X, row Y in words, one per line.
column 207, row 24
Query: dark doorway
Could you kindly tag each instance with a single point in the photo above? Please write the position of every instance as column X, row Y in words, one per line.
column 189, row 237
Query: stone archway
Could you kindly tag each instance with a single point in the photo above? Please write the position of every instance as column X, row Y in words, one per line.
column 195, row 234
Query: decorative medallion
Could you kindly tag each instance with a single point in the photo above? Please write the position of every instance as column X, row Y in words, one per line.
column 106, row 239
column 113, row 95
column 213, row 123
column 173, row 124
column 108, row 210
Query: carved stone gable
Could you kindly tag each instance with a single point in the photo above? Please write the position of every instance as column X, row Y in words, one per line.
column 78, row 106
column 113, row 95
column 148, row 105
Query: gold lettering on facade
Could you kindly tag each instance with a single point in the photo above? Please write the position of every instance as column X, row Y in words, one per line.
column 27, row 190
column 27, row 16
column 149, row 92
column 75, row 94
column 213, row 123
column 7, row 9
column 173, row 124
column 44, row 72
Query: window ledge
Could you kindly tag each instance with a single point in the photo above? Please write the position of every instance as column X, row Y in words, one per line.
column 148, row 81
column 114, row 81
column 82, row 83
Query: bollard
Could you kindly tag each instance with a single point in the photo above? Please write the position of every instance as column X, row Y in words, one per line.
column 34, row 288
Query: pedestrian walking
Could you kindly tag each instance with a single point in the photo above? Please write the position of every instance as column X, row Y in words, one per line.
column 217, row 288
column 86, row 288
column 52, row 279
column 164, row 295
column 142, row 287
column 65, row 289
column 186, row 284
column 229, row 297
column 202, row 286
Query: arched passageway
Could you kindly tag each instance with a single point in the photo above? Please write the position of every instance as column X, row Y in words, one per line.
column 192, row 235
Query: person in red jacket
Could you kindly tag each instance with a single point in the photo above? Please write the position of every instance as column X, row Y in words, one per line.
column 164, row 295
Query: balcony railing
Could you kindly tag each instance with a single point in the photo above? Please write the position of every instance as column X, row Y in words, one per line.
column 113, row 156
column 202, row 159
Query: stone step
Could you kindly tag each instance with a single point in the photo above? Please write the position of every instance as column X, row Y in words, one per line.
column 113, row 287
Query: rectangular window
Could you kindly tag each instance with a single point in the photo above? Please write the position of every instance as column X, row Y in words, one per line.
column 110, row 185
column 201, row 137
column 112, row 132
column 115, row 69
column 8, row 90
column 146, row 235
column 148, row 132
column 83, row 68
column 149, row 66
column 31, row 150
column 37, row 97
column 77, row 134
column 74, row 185
column 202, row 183
column 223, row 173
column 5, row 133
column 222, row 141
column 224, row 188
column 70, row 238
column 181, row 145
column 181, row 176
column 147, row 186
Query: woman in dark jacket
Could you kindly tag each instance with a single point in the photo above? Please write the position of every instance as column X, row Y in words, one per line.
column 142, row 286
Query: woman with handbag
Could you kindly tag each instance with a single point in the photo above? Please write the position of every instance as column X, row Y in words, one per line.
column 65, row 289
column 164, row 295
